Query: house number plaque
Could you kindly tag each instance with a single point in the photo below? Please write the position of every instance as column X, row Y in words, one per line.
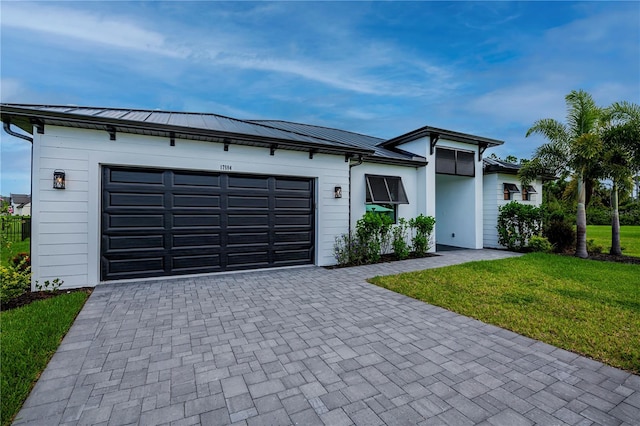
column 225, row 167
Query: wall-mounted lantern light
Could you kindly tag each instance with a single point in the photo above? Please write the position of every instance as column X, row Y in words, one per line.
column 58, row 179
column 337, row 192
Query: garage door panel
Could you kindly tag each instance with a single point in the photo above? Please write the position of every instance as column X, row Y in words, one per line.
column 286, row 237
column 248, row 202
column 116, row 221
column 192, row 179
column 128, row 265
column 294, row 255
column 292, row 220
column 291, row 184
column 136, row 176
column 196, row 201
column 249, row 259
column 248, row 220
column 140, row 200
column 191, row 263
column 135, row 242
column 195, row 221
column 245, row 183
column 293, row 203
column 165, row 222
column 244, row 238
column 196, row 240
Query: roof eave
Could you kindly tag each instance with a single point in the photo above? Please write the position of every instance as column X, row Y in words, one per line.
column 448, row 134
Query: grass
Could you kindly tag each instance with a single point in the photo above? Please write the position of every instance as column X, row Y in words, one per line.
column 14, row 248
column 585, row 306
column 629, row 238
column 29, row 337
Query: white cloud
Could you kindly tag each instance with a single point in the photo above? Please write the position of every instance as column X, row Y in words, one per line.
column 85, row 26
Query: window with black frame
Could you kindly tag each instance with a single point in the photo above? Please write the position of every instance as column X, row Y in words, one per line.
column 384, row 194
column 455, row 162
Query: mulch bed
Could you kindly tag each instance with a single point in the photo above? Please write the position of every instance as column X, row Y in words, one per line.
column 613, row 258
column 32, row 296
column 390, row 257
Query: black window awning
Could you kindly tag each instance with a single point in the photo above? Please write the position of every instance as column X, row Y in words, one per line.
column 511, row 187
column 530, row 189
column 385, row 190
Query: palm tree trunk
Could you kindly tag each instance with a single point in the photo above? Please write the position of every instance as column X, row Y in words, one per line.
column 615, row 222
column 581, row 222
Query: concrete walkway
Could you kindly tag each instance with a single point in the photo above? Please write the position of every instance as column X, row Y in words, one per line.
column 311, row 346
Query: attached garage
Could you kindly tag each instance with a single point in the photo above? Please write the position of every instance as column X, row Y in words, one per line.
column 172, row 222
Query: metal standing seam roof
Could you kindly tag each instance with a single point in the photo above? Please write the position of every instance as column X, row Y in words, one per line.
column 217, row 128
column 343, row 136
column 182, row 123
column 493, row 165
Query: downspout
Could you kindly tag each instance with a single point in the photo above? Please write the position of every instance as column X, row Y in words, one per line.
column 351, row 166
column 7, row 128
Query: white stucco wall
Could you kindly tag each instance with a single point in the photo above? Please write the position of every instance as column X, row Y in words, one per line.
column 66, row 223
column 494, row 198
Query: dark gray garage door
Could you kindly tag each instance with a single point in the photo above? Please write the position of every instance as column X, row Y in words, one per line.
column 169, row 222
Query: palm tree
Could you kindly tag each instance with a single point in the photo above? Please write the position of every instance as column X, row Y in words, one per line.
column 621, row 156
column 571, row 150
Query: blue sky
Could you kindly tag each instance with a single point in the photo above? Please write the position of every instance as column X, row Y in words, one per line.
column 381, row 68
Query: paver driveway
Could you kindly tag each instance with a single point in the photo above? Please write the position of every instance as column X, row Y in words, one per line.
column 311, row 346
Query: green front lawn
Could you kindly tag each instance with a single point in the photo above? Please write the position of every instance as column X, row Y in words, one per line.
column 585, row 306
column 29, row 337
column 629, row 238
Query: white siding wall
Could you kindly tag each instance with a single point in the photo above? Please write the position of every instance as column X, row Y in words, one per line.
column 494, row 199
column 66, row 223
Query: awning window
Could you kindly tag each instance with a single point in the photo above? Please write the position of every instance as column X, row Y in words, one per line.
column 511, row 187
column 385, row 190
column 530, row 189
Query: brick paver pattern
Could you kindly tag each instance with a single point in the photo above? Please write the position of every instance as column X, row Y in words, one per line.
column 311, row 346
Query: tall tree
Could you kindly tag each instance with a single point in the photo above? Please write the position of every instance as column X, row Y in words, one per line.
column 620, row 156
column 571, row 150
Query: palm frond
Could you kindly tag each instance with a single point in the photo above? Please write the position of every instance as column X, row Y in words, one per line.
column 583, row 114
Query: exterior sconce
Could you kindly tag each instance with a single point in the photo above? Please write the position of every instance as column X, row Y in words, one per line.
column 337, row 192
column 58, row 179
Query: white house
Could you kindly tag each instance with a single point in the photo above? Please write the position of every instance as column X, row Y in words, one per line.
column 501, row 186
column 20, row 204
column 123, row 194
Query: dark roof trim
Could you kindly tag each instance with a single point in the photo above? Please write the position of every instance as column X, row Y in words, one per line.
column 443, row 134
column 24, row 117
column 415, row 162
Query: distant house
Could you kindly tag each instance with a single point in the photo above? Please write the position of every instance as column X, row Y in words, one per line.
column 500, row 186
column 21, row 204
column 124, row 194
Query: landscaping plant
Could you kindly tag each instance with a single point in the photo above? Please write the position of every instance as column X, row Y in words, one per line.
column 517, row 223
column 400, row 246
column 422, row 227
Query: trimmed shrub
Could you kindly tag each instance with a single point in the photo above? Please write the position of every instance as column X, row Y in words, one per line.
column 423, row 228
column 400, row 246
column 594, row 248
column 539, row 244
column 561, row 234
column 517, row 223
